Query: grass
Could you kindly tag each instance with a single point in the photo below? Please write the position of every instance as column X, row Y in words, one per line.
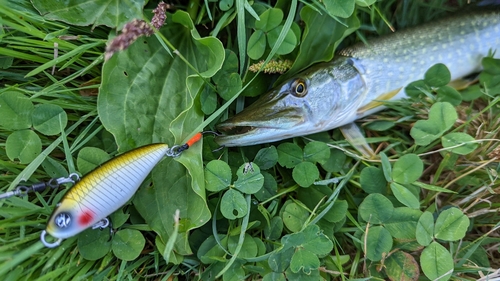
column 291, row 227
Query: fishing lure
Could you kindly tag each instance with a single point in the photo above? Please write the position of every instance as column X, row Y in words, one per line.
column 101, row 192
column 105, row 190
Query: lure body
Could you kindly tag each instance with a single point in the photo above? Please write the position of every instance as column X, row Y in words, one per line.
column 103, row 191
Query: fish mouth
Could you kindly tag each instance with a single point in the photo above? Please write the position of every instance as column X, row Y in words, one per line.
column 232, row 134
column 227, row 130
column 266, row 120
column 232, row 129
column 256, row 119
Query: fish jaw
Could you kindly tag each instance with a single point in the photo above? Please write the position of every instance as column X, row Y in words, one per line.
column 266, row 120
column 331, row 93
column 261, row 131
column 252, row 136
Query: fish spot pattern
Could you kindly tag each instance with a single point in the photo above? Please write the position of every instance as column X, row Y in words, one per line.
column 458, row 43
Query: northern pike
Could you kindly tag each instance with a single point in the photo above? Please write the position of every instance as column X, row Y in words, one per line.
column 351, row 86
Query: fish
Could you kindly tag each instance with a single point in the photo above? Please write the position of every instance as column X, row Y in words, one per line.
column 102, row 191
column 355, row 83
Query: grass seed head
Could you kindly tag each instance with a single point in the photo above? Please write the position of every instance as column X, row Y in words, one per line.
column 130, row 32
column 273, row 66
column 160, row 15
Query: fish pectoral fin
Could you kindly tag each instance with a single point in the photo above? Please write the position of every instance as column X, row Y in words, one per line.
column 353, row 135
column 378, row 101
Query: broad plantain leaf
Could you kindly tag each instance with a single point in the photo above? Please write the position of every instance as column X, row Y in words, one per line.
column 112, row 13
column 147, row 96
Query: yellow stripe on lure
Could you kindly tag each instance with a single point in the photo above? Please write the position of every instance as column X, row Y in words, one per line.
column 106, row 189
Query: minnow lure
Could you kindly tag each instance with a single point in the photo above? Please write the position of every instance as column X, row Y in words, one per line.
column 101, row 192
column 105, row 190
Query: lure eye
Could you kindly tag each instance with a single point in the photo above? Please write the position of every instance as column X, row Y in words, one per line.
column 299, row 88
column 62, row 220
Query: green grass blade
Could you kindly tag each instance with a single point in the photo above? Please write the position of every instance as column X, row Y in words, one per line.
column 241, row 33
column 20, row 257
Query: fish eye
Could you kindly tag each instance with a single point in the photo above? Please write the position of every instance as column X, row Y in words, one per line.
column 62, row 220
column 299, row 88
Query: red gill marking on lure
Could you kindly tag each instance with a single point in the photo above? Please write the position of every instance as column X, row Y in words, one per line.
column 86, row 218
column 194, row 139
